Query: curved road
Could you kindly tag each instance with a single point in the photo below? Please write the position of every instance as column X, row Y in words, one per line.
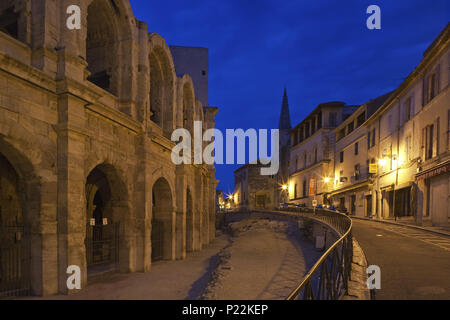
column 414, row 264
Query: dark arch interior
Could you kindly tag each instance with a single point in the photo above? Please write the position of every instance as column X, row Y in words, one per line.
column 188, row 108
column 156, row 90
column 9, row 22
column 161, row 221
column 160, row 88
column 101, row 228
column 101, row 50
column 14, row 240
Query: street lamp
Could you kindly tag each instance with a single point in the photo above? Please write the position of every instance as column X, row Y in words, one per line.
column 284, row 187
column 382, row 162
column 326, row 180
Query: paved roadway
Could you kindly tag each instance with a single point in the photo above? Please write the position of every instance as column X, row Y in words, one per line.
column 414, row 264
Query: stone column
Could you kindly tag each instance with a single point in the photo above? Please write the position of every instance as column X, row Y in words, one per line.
column 180, row 230
column 71, row 188
column 205, row 211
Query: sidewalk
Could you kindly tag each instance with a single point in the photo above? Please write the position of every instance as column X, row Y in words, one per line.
column 168, row 280
column 445, row 231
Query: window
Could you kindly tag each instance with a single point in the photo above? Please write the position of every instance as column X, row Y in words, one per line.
column 296, row 164
column 373, row 137
column 341, row 134
column 408, row 109
column 350, row 127
column 319, row 121
column 315, row 154
column 356, row 148
column 390, row 124
column 427, row 141
column 332, row 121
column 341, row 156
column 295, row 192
column 304, row 160
column 408, row 148
column 304, row 188
column 203, row 73
column 357, row 172
column 341, row 176
column 361, row 119
column 9, row 22
column 431, row 85
column 307, row 130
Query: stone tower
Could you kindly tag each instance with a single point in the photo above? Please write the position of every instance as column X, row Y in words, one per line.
column 285, row 138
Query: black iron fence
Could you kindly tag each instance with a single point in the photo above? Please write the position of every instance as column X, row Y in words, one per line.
column 328, row 279
column 102, row 246
column 14, row 262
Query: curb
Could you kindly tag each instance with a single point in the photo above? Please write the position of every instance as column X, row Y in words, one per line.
column 357, row 286
column 403, row 225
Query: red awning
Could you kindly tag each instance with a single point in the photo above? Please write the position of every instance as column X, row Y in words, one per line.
column 435, row 171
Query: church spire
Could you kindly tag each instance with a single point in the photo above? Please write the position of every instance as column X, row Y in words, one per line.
column 285, row 117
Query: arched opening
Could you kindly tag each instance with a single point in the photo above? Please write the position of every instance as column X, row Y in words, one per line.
column 14, row 236
column 104, row 206
column 13, row 20
column 188, row 108
column 102, row 46
column 162, row 221
column 161, row 90
column 189, row 222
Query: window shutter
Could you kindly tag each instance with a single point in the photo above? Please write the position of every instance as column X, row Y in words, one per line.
column 436, row 139
column 438, row 79
column 422, row 143
column 413, row 111
column 424, row 91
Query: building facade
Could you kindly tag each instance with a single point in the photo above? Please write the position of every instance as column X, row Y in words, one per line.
column 391, row 158
column 410, row 134
column 312, row 153
column 351, row 191
column 254, row 191
column 86, row 177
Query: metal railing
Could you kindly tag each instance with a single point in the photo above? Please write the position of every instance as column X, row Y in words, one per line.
column 328, row 278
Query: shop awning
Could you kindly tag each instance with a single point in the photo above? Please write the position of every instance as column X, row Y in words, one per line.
column 434, row 171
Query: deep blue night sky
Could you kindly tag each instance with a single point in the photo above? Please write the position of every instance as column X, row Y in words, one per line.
column 321, row 50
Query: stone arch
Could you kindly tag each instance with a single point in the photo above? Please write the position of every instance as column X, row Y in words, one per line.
column 107, row 241
column 20, row 241
column 163, row 217
column 110, row 27
column 15, row 19
column 199, row 114
column 190, row 222
column 162, row 84
column 187, row 103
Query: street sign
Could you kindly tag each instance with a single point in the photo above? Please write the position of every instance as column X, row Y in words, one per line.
column 373, row 168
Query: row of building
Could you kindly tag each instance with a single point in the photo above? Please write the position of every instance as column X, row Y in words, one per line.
column 386, row 159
